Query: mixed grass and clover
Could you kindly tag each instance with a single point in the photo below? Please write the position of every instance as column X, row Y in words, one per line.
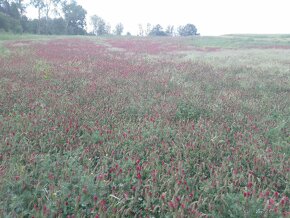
column 145, row 127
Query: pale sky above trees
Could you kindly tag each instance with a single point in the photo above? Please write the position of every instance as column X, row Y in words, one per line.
column 211, row 17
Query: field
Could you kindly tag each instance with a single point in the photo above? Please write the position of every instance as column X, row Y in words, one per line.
column 145, row 127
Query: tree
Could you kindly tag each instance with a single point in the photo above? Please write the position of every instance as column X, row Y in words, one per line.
column 157, row 31
column 4, row 6
column 58, row 26
column 75, row 17
column 24, row 21
column 169, row 30
column 148, row 29
column 108, row 29
column 141, row 31
column 13, row 12
column 39, row 5
column 99, row 26
column 10, row 8
column 8, row 23
column 21, row 7
column 187, row 30
column 119, row 29
column 12, row 17
column 9, row 16
column 49, row 5
column 30, row 26
column 44, row 6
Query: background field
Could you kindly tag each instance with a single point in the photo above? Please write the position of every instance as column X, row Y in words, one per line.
column 105, row 127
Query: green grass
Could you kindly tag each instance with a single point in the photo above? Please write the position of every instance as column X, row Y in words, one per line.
column 242, row 41
column 33, row 37
column 3, row 50
column 10, row 36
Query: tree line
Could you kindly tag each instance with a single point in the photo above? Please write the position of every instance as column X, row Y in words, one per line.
column 63, row 17
column 68, row 17
column 157, row 30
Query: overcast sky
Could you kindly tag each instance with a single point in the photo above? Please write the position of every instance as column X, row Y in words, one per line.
column 211, row 17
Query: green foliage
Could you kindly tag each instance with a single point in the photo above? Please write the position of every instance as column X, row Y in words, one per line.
column 187, row 30
column 56, row 26
column 187, row 111
column 10, row 9
column 119, row 29
column 43, row 69
column 236, row 205
column 3, row 51
column 96, row 137
column 9, row 24
column 12, row 18
column 157, row 30
column 25, row 192
column 274, row 134
column 75, row 16
column 100, row 27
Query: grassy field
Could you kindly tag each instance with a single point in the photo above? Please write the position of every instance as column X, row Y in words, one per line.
column 145, row 127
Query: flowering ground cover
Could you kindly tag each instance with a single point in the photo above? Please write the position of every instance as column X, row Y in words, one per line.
column 145, row 127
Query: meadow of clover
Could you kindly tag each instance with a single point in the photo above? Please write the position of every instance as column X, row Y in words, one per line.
column 145, row 127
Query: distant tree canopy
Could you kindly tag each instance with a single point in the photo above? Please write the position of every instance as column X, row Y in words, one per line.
column 9, row 24
column 119, row 29
column 73, row 21
column 10, row 17
column 187, row 30
column 75, row 17
column 45, row 7
column 169, row 30
column 99, row 25
column 157, row 31
column 9, row 8
column 102, row 28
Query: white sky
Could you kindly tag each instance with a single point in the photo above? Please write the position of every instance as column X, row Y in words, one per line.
column 211, row 17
